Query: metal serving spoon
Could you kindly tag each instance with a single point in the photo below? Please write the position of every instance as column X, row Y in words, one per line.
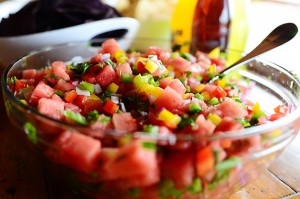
column 277, row 37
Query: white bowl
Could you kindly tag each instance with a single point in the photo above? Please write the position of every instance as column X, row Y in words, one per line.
column 14, row 47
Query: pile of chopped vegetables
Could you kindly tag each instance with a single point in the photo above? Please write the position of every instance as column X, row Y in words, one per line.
column 160, row 93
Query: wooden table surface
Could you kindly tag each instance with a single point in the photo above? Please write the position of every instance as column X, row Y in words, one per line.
column 22, row 176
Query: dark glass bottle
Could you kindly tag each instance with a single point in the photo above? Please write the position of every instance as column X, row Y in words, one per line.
column 211, row 25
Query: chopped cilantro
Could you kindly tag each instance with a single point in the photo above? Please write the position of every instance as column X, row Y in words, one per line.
column 237, row 99
column 182, row 79
column 127, row 78
column 110, row 63
column 188, row 74
column 12, row 80
column 186, row 120
column 149, row 145
column 134, row 192
column 195, row 187
column 167, row 189
column 152, row 81
column 92, row 115
column 53, row 76
column 80, row 68
column 76, row 117
column 199, row 78
column 31, row 132
column 59, row 93
column 246, row 123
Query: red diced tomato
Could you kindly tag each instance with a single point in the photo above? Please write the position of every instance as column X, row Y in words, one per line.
column 276, row 116
column 110, row 107
column 91, row 105
column 281, row 109
column 80, row 101
column 70, row 96
column 204, row 161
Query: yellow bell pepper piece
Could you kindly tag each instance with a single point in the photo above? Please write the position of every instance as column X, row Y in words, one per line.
column 94, row 97
column 256, row 108
column 206, row 96
column 214, row 118
column 120, row 56
column 113, row 88
column 151, row 66
column 199, row 88
column 222, row 82
column 167, row 116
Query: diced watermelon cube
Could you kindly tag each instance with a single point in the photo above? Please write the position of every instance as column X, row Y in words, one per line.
column 77, row 151
column 110, row 46
column 169, row 99
column 177, row 85
column 51, row 108
column 178, row 167
column 106, row 76
column 180, row 64
column 29, row 73
column 63, row 86
column 42, row 90
column 59, row 69
column 231, row 108
column 122, row 69
column 133, row 160
column 204, row 127
column 124, row 122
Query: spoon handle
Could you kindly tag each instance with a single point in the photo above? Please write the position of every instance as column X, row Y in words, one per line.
column 277, row 37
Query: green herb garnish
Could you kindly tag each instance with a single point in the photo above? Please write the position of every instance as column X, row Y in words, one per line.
column 110, row 63
column 213, row 101
column 195, row 187
column 134, row 192
column 31, row 132
column 167, row 189
column 194, row 107
column 76, row 117
column 149, row 145
column 80, row 68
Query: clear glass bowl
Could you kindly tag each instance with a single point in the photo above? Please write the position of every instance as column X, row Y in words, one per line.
column 260, row 145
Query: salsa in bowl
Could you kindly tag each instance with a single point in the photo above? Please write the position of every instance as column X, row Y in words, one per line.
column 117, row 122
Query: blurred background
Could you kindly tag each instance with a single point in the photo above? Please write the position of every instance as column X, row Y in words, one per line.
column 250, row 22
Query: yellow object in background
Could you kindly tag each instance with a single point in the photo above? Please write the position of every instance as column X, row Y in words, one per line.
column 239, row 30
column 181, row 23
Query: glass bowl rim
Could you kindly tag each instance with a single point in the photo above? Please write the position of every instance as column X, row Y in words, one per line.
column 255, row 130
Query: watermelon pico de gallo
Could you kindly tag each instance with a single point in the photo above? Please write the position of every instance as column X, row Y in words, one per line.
column 155, row 93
